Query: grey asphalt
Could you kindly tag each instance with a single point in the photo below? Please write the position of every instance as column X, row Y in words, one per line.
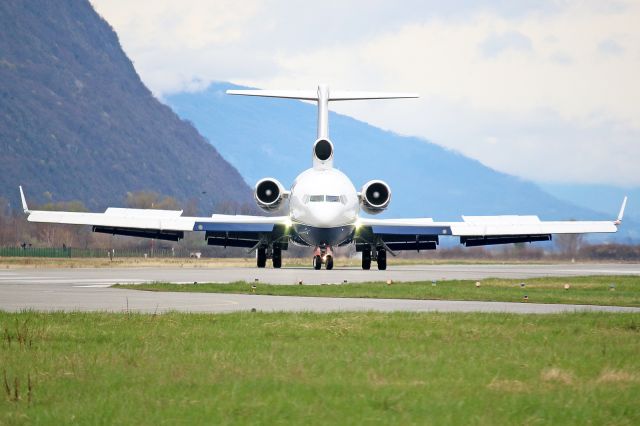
column 87, row 289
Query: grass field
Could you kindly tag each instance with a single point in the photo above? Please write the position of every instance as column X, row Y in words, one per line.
column 347, row 368
column 593, row 290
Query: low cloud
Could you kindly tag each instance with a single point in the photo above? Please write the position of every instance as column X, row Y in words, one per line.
column 496, row 44
column 610, row 47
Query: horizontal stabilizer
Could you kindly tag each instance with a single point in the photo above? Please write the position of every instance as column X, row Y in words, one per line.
column 323, row 95
column 306, row 95
column 312, row 95
column 356, row 96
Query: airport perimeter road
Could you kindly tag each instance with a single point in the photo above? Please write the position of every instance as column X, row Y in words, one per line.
column 87, row 289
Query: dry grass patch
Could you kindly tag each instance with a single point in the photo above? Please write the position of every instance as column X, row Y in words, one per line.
column 511, row 386
column 557, row 375
column 617, row 376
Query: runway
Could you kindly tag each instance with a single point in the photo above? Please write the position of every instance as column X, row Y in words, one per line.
column 87, row 289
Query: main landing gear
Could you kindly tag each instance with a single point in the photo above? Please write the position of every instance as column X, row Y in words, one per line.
column 273, row 252
column 323, row 255
column 380, row 256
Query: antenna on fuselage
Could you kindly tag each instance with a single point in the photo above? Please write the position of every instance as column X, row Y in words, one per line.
column 322, row 96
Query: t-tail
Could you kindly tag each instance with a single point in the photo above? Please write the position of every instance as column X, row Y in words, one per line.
column 322, row 148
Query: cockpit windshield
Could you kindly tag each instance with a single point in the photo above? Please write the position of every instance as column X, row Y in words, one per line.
column 325, row 198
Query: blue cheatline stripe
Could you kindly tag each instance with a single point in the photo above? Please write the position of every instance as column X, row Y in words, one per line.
column 411, row 230
column 233, row 227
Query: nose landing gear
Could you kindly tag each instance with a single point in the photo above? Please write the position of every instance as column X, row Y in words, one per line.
column 323, row 255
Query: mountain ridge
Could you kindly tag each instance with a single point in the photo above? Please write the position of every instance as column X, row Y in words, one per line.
column 76, row 121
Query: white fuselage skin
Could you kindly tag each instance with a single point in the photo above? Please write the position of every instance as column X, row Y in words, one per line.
column 322, row 200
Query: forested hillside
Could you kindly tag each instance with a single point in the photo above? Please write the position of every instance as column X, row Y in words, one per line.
column 77, row 123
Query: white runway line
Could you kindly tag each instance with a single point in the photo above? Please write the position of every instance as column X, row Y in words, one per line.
column 54, row 280
column 601, row 271
column 93, row 286
column 17, row 277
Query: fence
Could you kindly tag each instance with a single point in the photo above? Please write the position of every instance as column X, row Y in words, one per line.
column 93, row 252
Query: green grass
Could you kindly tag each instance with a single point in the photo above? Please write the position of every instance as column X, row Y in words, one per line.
column 304, row 368
column 593, row 290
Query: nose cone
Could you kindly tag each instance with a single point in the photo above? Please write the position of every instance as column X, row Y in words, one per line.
column 328, row 215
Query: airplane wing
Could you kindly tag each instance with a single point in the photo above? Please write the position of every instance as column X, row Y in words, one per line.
column 222, row 230
column 424, row 233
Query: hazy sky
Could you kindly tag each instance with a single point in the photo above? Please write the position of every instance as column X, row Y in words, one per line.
column 544, row 90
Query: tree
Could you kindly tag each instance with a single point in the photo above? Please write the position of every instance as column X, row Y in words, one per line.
column 150, row 200
column 569, row 244
column 56, row 235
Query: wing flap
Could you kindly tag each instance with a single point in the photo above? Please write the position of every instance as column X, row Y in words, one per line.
column 138, row 220
column 128, row 220
column 541, row 227
column 144, row 233
column 486, row 225
column 422, row 234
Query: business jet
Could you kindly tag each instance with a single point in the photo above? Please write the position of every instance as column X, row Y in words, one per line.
column 322, row 210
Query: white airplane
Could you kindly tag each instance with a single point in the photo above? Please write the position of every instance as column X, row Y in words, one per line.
column 323, row 211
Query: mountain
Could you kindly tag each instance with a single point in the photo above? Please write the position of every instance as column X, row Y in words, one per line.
column 273, row 137
column 76, row 122
column 601, row 198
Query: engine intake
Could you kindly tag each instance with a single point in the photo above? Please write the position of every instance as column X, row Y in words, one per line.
column 375, row 196
column 323, row 154
column 269, row 194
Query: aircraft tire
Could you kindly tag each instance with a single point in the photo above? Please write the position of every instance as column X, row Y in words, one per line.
column 366, row 260
column 317, row 262
column 261, row 257
column 382, row 259
column 277, row 258
column 329, row 265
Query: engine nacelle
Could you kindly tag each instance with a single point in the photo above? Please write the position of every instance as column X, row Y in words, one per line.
column 375, row 196
column 269, row 194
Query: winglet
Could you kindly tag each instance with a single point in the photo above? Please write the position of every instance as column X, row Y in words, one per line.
column 24, row 201
column 621, row 214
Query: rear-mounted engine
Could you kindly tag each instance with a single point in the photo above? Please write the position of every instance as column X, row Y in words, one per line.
column 269, row 194
column 375, row 196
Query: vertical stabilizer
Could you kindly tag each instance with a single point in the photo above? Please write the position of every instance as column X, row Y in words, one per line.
column 323, row 111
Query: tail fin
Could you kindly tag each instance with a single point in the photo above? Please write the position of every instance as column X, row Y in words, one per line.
column 322, row 96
